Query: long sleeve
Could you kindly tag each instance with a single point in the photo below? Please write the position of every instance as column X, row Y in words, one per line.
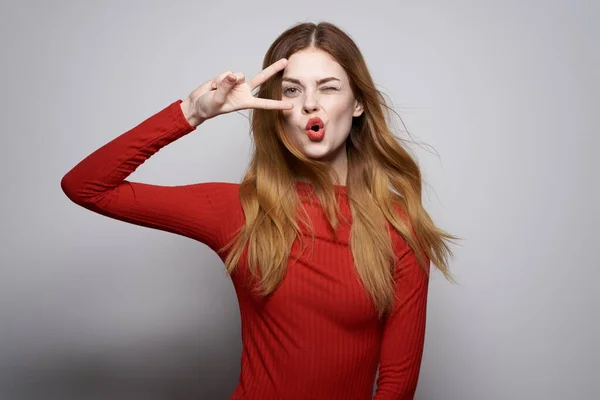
column 404, row 332
column 98, row 183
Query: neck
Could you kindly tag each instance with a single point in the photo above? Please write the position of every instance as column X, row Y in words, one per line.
column 338, row 161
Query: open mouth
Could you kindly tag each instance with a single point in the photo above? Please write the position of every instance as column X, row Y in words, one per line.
column 315, row 133
column 315, row 129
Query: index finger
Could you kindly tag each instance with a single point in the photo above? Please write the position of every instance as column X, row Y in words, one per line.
column 269, row 104
column 267, row 73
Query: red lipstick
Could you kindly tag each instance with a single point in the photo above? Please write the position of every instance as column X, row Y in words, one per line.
column 315, row 129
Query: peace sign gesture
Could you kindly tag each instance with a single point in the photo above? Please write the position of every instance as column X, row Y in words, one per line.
column 230, row 92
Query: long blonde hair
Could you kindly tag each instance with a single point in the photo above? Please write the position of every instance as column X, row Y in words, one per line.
column 383, row 184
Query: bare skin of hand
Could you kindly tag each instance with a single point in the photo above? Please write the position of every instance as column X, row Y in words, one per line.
column 230, row 92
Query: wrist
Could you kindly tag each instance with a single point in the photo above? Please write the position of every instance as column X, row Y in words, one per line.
column 188, row 109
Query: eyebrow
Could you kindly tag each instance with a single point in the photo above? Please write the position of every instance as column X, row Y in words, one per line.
column 320, row 81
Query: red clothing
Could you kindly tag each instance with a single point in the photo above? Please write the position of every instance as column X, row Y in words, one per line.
column 318, row 335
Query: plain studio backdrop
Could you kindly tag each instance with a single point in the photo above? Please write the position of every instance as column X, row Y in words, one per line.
column 505, row 93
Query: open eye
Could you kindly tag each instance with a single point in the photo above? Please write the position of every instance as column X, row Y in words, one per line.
column 292, row 90
column 286, row 91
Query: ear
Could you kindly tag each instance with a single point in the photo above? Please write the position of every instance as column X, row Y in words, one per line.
column 358, row 109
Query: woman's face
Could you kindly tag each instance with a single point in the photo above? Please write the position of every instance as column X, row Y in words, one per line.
column 319, row 89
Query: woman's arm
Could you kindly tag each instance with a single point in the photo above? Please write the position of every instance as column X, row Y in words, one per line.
column 208, row 212
column 404, row 332
column 204, row 211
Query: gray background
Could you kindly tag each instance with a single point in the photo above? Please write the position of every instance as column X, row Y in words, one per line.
column 505, row 91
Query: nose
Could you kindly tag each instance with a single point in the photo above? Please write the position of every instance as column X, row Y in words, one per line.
column 310, row 104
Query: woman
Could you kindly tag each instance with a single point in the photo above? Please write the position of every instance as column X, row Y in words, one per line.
column 318, row 318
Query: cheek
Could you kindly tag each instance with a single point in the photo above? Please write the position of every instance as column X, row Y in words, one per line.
column 288, row 115
column 338, row 106
column 289, row 125
column 340, row 115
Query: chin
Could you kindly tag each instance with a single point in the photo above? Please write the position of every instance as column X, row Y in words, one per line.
column 316, row 150
column 324, row 149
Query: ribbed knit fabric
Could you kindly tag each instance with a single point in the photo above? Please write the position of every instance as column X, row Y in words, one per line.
column 317, row 337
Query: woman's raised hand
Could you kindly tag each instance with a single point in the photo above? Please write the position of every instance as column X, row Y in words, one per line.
column 230, row 92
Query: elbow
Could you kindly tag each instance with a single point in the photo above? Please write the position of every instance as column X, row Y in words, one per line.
column 384, row 393
column 75, row 189
column 83, row 191
column 70, row 188
column 394, row 396
column 396, row 386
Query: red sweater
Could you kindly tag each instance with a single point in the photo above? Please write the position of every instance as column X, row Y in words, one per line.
column 318, row 335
